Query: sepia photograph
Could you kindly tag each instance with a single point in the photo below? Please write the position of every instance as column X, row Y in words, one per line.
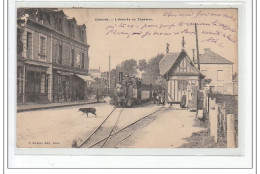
column 127, row 78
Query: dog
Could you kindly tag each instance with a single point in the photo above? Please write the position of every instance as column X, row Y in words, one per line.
column 88, row 110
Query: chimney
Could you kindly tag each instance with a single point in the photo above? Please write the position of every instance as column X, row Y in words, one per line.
column 167, row 48
column 183, row 43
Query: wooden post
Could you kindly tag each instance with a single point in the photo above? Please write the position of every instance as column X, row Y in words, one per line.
column 231, row 141
column 208, row 101
column 97, row 95
column 213, row 116
column 224, row 118
column 205, row 103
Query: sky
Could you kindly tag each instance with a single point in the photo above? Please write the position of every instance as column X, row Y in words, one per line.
column 143, row 33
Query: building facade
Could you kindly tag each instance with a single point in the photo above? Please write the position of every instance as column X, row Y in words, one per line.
column 52, row 57
column 179, row 72
column 219, row 70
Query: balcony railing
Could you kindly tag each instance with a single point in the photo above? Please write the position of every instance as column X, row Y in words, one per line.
column 69, row 67
column 42, row 56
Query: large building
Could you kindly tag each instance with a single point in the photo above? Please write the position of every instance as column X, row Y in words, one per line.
column 219, row 70
column 52, row 57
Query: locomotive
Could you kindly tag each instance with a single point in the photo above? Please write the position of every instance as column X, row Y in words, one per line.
column 130, row 90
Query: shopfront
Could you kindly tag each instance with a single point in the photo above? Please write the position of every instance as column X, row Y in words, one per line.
column 68, row 86
column 36, row 86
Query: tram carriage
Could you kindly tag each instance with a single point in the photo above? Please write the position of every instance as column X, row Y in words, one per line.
column 130, row 90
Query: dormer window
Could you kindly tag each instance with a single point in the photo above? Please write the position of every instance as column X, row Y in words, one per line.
column 60, row 24
column 71, row 29
column 82, row 32
column 82, row 35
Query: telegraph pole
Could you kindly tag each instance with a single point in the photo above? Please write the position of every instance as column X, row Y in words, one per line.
column 198, row 54
column 197, row 47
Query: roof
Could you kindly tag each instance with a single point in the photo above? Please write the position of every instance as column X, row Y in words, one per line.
column 210, row 57
column 167, row 61
column 85, row 78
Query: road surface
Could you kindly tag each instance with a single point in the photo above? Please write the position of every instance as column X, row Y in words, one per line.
column 60, row 127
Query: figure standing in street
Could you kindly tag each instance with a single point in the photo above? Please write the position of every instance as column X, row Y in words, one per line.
column 154, row 97
column 163, row 96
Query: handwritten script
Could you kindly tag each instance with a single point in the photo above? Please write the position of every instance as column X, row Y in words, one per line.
column 214, row 26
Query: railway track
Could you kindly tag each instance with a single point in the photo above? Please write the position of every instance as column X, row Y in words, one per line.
column 105, row 129
column 107, row 136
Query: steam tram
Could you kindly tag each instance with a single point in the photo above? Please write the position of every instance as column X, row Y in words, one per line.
column 130, row 90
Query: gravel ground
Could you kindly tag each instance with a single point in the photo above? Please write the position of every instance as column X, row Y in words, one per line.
column 56, row 127
column 169, row 130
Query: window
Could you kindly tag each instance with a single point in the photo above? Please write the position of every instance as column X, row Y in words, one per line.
column 182, row 84
column 37, row 82
column 82, row 35
column 71, row 29
column 42, row 45
column 72, row 57
column 78, row 61
column 220, row 75
column 60, row 54
column 83, row 61
column 29, row 45
column 60, row 24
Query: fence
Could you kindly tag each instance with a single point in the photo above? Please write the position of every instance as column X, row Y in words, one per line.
column 223, row 118
column 223, row 124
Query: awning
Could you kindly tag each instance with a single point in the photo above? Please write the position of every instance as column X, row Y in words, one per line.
column 86, row 78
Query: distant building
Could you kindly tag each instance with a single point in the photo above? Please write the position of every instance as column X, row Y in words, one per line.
column 52, row 57
column 95, row 73
column 219, row 70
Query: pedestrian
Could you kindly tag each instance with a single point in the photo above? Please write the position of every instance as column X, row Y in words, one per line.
column 154, row 97
column 159, row 98
column 163, row 96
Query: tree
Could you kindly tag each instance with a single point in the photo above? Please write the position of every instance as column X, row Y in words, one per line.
column 142, row 65
column 129, row 67
column 152, row 72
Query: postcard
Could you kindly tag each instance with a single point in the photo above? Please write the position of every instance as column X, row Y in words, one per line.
column 127, row 78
